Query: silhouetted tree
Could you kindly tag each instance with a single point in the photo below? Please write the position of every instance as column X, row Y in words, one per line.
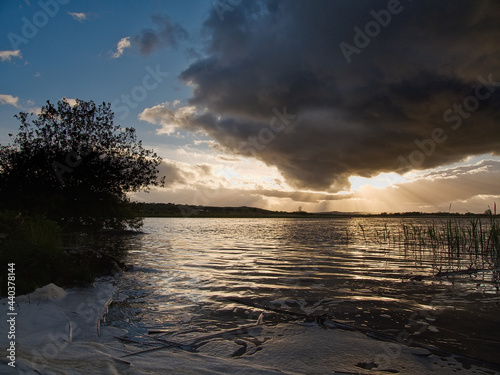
column 71, row 163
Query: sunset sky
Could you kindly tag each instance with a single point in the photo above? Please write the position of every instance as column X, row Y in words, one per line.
column 338, row 105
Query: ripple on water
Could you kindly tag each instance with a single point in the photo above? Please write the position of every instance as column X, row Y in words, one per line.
column 186, row 269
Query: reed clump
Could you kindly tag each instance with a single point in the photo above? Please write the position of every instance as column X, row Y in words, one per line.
column 475, row 242
column 456, row 243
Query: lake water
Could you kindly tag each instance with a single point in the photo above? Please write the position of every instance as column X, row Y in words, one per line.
column 186, row 271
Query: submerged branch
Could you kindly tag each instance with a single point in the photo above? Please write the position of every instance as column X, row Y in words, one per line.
column 191, row 342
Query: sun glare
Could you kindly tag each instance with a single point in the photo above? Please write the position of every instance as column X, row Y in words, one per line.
column 380, row 181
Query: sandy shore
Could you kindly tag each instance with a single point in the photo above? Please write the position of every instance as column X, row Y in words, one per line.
column 56, row 332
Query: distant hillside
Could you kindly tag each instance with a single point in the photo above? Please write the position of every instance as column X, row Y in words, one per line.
column 184, row 210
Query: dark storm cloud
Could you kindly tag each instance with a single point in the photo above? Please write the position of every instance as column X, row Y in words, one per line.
column 177, row 174
column 166, row 34
column 422, row 91
column 173, row 173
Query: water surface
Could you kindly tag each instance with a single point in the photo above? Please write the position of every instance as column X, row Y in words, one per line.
column 186, row 271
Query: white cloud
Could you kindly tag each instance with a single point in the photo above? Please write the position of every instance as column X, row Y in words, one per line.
column 120, row 47
column 168, row 116
column 10, row 100
column 8, row 55
column 71, row 102
column 15, row 102
column 78, row 16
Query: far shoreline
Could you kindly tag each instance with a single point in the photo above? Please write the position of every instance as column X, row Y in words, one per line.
column 170, row 210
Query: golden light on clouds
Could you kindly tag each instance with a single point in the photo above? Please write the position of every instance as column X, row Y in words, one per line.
column 207, row 177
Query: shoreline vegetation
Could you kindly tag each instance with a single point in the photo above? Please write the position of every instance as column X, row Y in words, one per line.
column 64, row 180
column 44, row 253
